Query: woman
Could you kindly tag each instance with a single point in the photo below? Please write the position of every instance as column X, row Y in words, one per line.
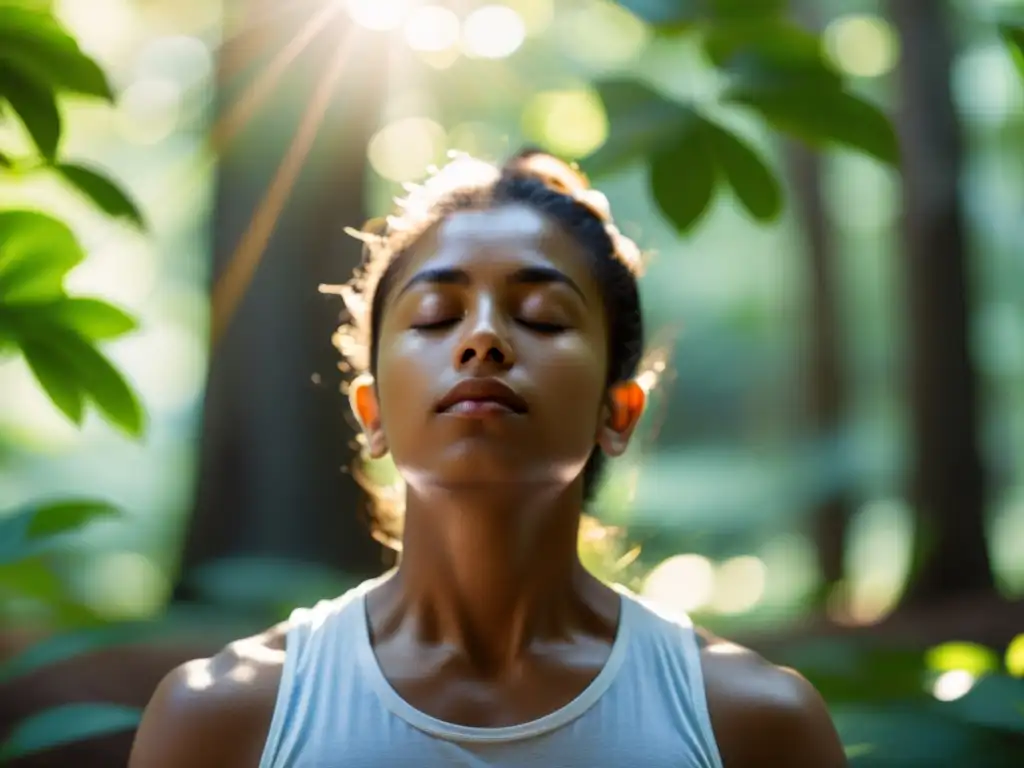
column 498, row 325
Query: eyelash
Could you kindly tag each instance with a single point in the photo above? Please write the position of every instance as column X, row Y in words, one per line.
column 545, row 328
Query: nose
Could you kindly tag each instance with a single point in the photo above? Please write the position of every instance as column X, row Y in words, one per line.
column 485, row 343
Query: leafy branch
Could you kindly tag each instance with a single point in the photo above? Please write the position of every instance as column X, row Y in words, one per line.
column 771, row 67
column 56, row 333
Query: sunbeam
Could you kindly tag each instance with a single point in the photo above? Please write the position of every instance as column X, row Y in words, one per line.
column 256, row 93
column 232, row 284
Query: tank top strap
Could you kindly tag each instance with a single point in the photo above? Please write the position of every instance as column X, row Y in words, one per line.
column 319, row 641
column 667, row 648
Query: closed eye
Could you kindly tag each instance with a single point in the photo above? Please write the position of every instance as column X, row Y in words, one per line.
column 543, row 327
column 437, row 325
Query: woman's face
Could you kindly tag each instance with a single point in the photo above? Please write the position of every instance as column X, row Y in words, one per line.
column 492, row 360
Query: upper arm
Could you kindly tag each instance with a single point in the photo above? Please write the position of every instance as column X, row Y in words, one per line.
column 766, row 715
column 799, row 731
column 209, row 713
column 180, row 722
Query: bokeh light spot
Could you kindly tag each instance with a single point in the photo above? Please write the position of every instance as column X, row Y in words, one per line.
column 432, row 28
column 602, row 35
column 569, row 123
column 379, row 15
column 739, row 585
column 124, row 585
column 1015, row 656
column 862, row 45
column 401, row 150
column 149, row 110
column 681, row 583
column 953, row 685
column 492, row 32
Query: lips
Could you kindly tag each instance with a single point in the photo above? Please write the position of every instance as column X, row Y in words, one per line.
column 480, row 396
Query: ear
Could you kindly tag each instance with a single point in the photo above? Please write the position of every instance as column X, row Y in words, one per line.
column 623, row 408
column 362, row 398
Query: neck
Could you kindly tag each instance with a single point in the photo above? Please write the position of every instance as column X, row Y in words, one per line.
column 491, row 575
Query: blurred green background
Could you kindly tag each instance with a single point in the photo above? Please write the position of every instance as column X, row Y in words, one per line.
column 833, row 466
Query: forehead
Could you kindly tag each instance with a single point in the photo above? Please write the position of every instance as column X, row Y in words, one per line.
column 499, row 240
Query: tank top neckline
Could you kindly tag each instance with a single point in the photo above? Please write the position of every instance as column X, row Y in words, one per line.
column 367, row 661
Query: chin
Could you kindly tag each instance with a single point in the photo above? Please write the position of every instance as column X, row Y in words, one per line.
column 487, row 465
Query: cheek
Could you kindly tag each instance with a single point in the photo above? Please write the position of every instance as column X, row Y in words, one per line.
column 405, row 371
column 574, row 374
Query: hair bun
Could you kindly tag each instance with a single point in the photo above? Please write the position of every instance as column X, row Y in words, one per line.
column 555, row 172
column 563, row 177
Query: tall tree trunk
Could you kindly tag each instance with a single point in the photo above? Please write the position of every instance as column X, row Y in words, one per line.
column 825, row 385
column 825, row 377
column 276, row 440
column 947, row 482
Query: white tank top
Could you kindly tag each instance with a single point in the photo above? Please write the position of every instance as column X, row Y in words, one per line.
column 335, row 709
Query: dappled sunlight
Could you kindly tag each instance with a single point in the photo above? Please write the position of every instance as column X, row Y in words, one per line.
column 198, row 675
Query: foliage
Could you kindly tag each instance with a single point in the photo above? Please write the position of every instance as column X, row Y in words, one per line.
column 58, row 335
column 770, row 67
column 1013, row 34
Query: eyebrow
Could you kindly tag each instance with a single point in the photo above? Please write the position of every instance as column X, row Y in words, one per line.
column 526, row 276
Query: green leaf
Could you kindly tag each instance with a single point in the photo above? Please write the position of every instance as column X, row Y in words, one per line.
column 994, row 702
column 66, row 516
column 25, row 532
column 821, row 115
column 640, row 120
column 5, row 161
column 36, row 105
column 34, row 44
column 683, row 177
column 763, row 45
column 67, row 724
column 751, row 179
column 101, row 381
column 110, row 198
column 1014, row 37
column 28, row 575
column 57, row 378
column 92, row 319
column 36, row 252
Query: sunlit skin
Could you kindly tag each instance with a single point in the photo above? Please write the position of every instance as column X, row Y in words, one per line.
column 490, row 619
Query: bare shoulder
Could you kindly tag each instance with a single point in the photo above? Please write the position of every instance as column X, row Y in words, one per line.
column 763, row 714
column 216, row 711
